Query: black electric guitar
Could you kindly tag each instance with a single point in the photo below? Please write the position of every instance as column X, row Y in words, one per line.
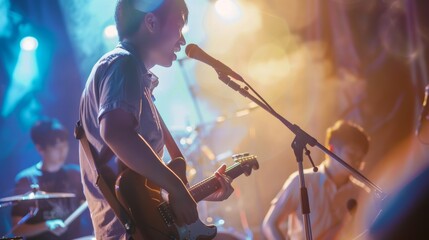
column 152, row 215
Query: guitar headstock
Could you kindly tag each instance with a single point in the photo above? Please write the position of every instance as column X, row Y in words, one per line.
column 247, row 162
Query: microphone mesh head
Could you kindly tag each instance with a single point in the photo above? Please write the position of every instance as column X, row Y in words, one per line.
column 190, row 48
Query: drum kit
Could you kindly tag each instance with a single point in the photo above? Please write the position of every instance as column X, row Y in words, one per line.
column 32, row 196
column 35, row 195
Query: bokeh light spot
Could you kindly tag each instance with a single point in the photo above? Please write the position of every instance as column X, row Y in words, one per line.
column 228, row 9
column 29, row 43
column 110, row 32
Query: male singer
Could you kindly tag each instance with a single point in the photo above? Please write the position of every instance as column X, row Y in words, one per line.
column 117, row 109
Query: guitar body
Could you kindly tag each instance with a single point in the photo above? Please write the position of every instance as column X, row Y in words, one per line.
column 151, row 213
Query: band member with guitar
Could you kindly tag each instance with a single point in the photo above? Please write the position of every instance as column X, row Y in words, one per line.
column 51, row 174
column 117, row 111
column 332, row 192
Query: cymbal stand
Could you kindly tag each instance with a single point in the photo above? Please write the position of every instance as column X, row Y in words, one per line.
column 32, row 212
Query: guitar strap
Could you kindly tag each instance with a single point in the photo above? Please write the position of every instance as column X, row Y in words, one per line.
column 102, row 180
column 171, row 145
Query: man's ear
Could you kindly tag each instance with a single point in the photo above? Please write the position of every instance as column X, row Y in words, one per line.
column 151, row 22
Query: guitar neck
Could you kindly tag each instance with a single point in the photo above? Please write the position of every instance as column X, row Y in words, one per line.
column 210, row 185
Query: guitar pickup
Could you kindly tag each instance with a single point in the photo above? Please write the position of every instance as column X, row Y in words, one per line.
column 166, row 214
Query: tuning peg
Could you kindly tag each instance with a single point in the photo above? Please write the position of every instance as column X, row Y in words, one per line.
column 240, row 155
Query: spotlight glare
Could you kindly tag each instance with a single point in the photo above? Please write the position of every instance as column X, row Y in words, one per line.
column 228, row 9
column 242, row 113
column 220, row 119
column 110, row 32
column 29, row 43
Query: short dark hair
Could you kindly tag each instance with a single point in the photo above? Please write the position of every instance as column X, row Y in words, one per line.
column 47, row 132
column 128, row 18
column 344, row 133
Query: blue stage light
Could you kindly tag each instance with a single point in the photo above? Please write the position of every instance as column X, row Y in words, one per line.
column 29, row 43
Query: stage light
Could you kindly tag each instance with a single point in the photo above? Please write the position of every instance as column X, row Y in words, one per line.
column 29, row 43
column 220, row 119
column 242, row 113
column 228, row 9
column 24, row 76
column 252, row 105
column 110, row 32
column 220, row 222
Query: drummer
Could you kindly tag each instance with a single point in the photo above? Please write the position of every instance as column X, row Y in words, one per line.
column 52, row 176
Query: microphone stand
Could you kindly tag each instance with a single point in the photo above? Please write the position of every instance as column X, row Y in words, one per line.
column 299, row 144
column 200, row 129
column 191, row 92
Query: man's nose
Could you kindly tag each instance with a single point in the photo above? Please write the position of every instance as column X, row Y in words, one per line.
column 182, row 40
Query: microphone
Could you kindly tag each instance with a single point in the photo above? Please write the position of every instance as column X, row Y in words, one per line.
column 195, row 52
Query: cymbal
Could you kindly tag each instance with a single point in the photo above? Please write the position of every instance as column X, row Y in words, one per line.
column 38, row 195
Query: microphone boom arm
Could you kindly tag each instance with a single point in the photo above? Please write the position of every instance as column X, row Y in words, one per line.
column 301, row 134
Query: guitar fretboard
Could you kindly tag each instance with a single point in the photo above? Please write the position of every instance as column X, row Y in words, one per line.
column 204, row 188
